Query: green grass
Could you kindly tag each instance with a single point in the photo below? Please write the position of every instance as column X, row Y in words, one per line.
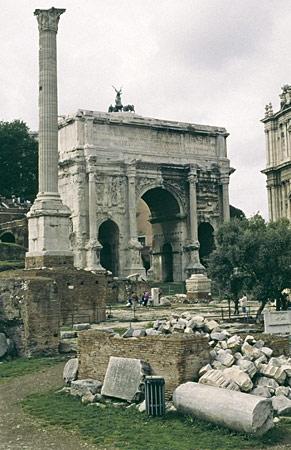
column 22, row 366
column 128, row 429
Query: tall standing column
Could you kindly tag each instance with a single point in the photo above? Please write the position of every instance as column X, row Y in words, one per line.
column 192, row 178
column 134, row 263
column 48, row 218
column 194, row 265
column 197, row 284
column 94, row 246
column 224, row 179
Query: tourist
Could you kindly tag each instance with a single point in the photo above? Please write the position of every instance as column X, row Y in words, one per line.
column 244, row 303
column 145, row 298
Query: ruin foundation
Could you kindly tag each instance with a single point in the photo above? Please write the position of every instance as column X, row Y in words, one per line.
column 35, row 303
column 177, row 358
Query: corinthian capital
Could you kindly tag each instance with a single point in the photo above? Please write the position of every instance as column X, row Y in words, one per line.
column 48, row 19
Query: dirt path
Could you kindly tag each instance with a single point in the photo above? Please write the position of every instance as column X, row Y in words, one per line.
column 18, row 431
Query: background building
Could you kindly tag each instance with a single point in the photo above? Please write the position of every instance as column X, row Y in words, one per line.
column 278, row 148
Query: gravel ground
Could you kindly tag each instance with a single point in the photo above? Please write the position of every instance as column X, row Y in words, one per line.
column 19, row 431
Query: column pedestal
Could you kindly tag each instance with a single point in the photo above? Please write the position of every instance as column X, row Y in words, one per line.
column 49, row 232
column 134, row 262
column 197, row 282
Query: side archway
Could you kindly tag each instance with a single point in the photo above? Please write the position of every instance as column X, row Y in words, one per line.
column 160, row 226
column 206, row 240
column 7, row 237
column 108, row 236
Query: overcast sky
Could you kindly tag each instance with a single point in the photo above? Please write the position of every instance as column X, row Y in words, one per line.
column 214, row 62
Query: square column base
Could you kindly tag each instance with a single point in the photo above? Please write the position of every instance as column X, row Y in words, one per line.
column 198, row 286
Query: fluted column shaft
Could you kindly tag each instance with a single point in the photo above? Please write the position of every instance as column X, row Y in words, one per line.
column 48, row 99
column 225, row 197
column 92, row 207
column 192, row 178
column 131, row 174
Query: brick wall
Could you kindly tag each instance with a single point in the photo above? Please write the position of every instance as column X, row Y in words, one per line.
column 34, row 303
column 30, row 314
column 177, row 358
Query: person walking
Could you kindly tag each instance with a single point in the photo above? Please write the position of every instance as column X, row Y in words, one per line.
column 243, row 304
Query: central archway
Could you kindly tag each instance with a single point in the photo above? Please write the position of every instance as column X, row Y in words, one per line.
column 108, row 237
column 159, row 228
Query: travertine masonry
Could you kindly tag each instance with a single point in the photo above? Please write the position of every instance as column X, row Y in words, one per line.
column 177, row 358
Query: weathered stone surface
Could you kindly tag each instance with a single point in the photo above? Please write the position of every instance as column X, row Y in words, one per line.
column 152, row 332
column 178, row 328
column 247, row 366
column 196, row 322
column 88, row 398
column 204, row 369
column 234, row 342
column 250, row 351
column 268, row 382
column 283, row 390
column 225, row 358
column 267, row 351
column 217, row 378
column 277, row 373
column 259, row 344
column 139, row 333
column 261, row 360
column 218, row 336
column 240, row 412
column 164, row 301
column 3, row 345
column 250, row 339
column 68, row 334
column 82, row 387
column 277, row 362
column 128, row 333
column 188, row 330
column 182, row 322
column 210, row 325
column 237, row 356
column 218, row 365
column 142, row 406
column 262, row 391
column 70, row 370
column 165, row 328
column 239, row 377
column 81, row 326
column 124, row 378
column 281, row 405
column 287, row 369
column 186, row 315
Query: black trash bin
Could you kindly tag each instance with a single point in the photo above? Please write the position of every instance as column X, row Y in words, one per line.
column 155, row 395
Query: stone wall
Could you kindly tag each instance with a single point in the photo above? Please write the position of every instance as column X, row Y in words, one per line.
column 11, row 252
column 279, row 344
column 30, row 313
column 34, row 303
column 177, row 358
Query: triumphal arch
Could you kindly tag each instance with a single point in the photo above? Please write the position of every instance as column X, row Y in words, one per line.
column 134, row 183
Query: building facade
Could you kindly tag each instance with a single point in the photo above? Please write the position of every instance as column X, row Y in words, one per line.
column 278, row 149
column 115, row 168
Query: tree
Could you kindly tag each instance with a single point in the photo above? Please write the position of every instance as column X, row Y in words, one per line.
column 18, row 161
column 254, row 256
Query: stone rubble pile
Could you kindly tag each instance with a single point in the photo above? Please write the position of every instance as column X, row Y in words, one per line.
column 184, row 323
column 247, row 365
